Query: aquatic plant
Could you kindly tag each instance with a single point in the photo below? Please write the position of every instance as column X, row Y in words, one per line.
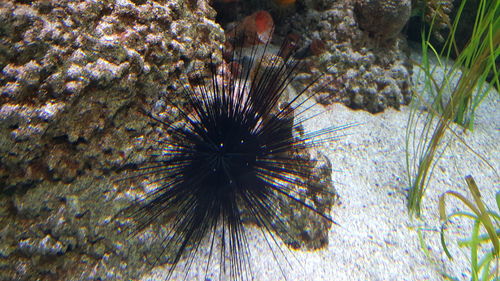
column 238, row 154
column 449, row 101
column 485, row 267
column 476, row 61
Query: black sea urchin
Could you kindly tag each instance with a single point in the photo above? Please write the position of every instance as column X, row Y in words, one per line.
column 237, row 155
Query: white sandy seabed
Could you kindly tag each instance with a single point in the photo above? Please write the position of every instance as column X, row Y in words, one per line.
column 377, row 239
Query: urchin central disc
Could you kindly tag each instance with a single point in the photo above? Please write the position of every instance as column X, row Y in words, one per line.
column 232, row 161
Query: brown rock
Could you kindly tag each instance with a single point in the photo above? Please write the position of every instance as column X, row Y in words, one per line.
column 383, row 19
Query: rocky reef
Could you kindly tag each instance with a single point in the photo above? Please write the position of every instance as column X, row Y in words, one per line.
column 383, row 19
column 438, row 14
column 362, row 48
column 71, row 71
column 74, row 76
column 366, row 56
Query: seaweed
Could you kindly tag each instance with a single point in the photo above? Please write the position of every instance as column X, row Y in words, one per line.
column 449, row 101
column 485, row 267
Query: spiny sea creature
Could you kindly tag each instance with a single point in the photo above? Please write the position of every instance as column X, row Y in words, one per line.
column 239, row 154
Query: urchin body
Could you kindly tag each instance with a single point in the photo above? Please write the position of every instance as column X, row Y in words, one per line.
column 235, row 155
column 221, row 162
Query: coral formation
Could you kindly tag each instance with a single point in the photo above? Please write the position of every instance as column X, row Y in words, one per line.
column 68, row 68
column 72, row 77
column 370, row 73
column 358, row 43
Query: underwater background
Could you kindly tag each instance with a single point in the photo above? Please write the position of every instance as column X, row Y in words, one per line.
column 419, row 78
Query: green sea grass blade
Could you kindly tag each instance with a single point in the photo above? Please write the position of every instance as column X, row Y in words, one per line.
column 446, row 220
column 473, row 250
column 484, row 217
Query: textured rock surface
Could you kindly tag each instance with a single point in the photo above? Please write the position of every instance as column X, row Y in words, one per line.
column 439, row 13
column 360, row 38
column 73, row 75
column 383, row 19
column 71, row 70
column 367, row 71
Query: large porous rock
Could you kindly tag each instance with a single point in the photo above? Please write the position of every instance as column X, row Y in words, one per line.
column 383, row 19
column 74, row 76
column 71, row 71
column 365, row 54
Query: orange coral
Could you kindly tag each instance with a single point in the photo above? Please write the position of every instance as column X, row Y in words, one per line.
column 257, row 28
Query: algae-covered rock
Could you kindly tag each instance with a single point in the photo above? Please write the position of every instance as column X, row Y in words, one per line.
column 365, row 58
column 72, row 71
column 73, row 78
column 383, row 19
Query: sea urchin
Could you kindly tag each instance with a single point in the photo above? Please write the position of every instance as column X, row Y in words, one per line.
column 236, row 156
